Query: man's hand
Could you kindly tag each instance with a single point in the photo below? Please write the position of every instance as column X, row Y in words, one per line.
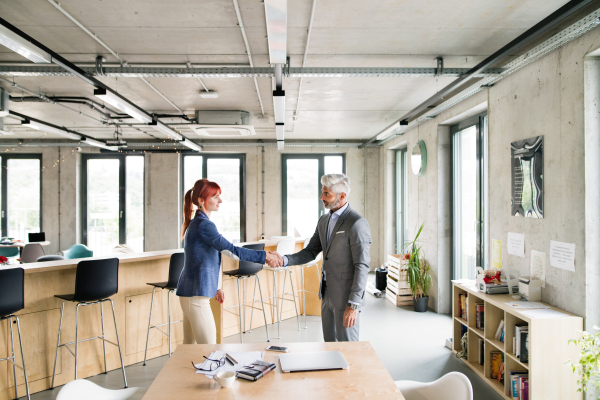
column 350, row 317
column 274, row 259
column 220, row 296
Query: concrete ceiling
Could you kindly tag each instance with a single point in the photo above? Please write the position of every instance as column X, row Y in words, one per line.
column 351, row 33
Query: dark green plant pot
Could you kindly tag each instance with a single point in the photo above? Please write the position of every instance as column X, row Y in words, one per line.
column 420, row 304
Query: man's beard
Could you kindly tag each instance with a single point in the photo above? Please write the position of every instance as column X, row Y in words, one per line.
column 334, row 204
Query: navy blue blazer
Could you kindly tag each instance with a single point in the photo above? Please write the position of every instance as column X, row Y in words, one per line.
column 202, row 248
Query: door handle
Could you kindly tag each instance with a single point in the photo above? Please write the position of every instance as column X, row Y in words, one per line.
column 121, row 214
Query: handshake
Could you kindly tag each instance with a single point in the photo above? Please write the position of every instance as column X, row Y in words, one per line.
column 274, row 259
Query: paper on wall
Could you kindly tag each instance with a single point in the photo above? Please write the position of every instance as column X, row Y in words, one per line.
column 515, row 244
column 497, row 254
column 538, row 266
column 562, row 255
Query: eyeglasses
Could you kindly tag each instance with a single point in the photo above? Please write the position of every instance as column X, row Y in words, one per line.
column 214, row 364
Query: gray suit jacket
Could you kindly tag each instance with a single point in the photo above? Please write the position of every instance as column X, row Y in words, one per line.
column 345, row 258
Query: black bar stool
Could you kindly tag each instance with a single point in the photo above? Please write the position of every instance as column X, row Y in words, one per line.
column 95, row 282
column 248, row 270
column 175, row 268
column 12, row 299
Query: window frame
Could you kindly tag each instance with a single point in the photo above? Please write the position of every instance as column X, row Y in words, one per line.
column 205, row 158
column 122, row 194
column 479, row 121
column 304, row 156
column 4, row 200
column 401, row 193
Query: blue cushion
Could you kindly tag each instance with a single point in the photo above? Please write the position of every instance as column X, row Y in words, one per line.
column 9, row 251
column 78, row 251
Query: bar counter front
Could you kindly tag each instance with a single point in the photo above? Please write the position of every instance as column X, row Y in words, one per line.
column 40, row 319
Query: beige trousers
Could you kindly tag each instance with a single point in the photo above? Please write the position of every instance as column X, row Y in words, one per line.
column 198, row 321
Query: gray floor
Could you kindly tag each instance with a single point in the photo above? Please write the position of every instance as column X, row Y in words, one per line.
column 410, row 345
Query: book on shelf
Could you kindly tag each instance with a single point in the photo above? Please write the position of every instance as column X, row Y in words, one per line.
column 517, row 338
column 462, row 302
column 514, row 390
column 500, row 332
column 500, row 375
column 524, row 346
column 479, row 313
column 257, row 370
column 525, row 390
column 481, row 351
column 496, row 360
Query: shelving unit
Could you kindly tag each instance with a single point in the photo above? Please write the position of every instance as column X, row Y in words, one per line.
column 549, row 376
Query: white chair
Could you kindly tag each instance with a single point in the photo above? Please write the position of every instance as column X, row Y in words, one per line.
column 83, row 389
column 31, row 252
column 452, row 386
column 284, row 247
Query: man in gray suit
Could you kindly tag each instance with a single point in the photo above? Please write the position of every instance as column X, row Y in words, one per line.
column 344, row 237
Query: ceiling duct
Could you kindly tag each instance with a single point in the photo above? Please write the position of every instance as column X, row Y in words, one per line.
column 223, row 123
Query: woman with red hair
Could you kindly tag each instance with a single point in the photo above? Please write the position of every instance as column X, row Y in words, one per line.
column 200, row 278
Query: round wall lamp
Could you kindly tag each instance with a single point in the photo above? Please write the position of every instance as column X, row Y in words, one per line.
column 418, row 158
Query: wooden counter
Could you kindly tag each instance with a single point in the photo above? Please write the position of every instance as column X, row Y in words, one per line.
column 39, row 320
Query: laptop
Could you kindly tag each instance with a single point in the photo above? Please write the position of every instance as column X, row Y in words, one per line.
column 317, row 361
column 37, row 237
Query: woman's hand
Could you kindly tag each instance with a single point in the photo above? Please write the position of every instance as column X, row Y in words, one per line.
column 220, row 296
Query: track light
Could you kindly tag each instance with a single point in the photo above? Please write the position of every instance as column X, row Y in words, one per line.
column 188, row 143
column 280, row 144
column 280, row 131
column 279, row 105
column 50, row 129
column 116, row 101
column 388, row 131
column 23, row 47
column 97, row 143
column 162, row 128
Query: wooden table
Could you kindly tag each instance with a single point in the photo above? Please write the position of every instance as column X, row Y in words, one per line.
column 22, row 244
column 366, row 378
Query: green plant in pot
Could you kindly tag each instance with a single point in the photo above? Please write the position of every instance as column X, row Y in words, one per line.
column 417, row 273
column 588, row 365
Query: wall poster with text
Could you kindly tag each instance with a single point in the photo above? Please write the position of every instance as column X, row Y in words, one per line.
column 527, row 174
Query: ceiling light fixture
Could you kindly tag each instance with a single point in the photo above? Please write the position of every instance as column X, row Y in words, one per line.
column 279, row 131
column 50, row 129
column 23, row 47
column 116, row 101
column 97, row 143
column 209, row 94
column 280, row 145
column 279, row 105
column 188, row 143
column 159, row 126
column 388, row 131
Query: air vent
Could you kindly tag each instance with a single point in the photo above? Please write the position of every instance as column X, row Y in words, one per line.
column 224, row 130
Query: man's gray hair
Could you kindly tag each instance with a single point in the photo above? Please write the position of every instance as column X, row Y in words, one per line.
column 338, row 183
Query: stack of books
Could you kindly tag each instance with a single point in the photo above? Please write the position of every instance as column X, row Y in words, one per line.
column 500, row 332
column 462, row 300
column 521, row 342
column 497, row 366
column 519, row 385
column 481, row 351
column 257, row 370
column 479, row 314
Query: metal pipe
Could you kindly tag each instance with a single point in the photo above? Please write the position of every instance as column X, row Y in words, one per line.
column 143, row 65
column 510, row 49
column 177, row 146
column 149, row 323
column 62, row 310
column 241, row 25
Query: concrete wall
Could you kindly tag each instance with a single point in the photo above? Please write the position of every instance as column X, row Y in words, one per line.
column 545, row 98
column 61, row 193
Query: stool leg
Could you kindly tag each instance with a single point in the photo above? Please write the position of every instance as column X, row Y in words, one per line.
column 14, row 357
column 76, row 333
column 22, row 358
column 304, row 299
column 282, row 295
column 263, row 308
column 277, row 307
column 118, row 342
column 294, row 299
column 240, row 310
column 57, row 343
column 252, row 310
column 103, row 342
column 169, row 316
column 244, row 304
column 149, row 322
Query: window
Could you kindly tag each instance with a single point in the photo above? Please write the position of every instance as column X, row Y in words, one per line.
column 229, row 171
column 113, row 202
column 470, row 199
column 21, row 195
column 401, row 198
column 301, row 189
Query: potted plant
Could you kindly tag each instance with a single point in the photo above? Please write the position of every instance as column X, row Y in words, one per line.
column 588, row 365
column 417, row 274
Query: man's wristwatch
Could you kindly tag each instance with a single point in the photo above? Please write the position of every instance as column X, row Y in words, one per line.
column 353, row 306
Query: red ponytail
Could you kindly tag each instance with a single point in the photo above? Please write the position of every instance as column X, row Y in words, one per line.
column 203, row 189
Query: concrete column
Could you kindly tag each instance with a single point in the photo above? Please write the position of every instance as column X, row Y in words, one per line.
column 592, row 191
column 444, row 231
